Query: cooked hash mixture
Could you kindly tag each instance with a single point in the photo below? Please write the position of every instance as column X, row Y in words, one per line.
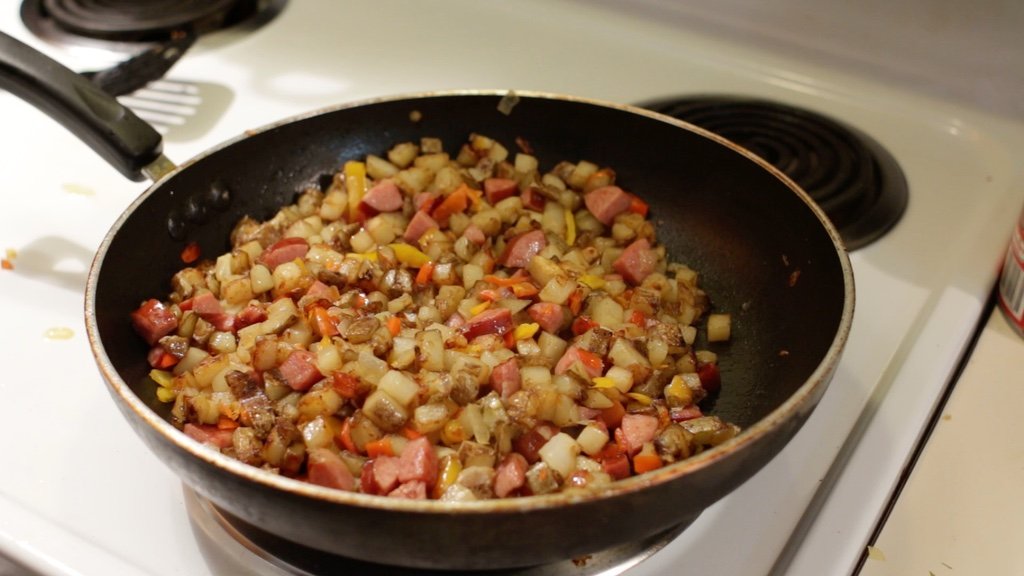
column 454, row 327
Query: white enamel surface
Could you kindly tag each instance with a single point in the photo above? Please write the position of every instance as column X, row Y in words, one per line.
column 79, row 493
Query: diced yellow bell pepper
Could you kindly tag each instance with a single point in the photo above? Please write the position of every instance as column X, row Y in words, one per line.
column 591, row 281
column 166, row 395
column 371, row 256
column 524, row 331
column 409, row 255
column 447, row 475
column 480, row 307
column 603, row 382
column 355, row 186
column 570, row 227
column 678, row 393
column 641, row 398
column 161, row 377
column 453, row 433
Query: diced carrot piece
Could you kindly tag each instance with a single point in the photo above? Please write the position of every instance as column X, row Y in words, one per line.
column 345, row 384
column 576, row 301
column 344, row 437
column 225, row 423
column 525, row 290
column 323, row 322
column 425, row 273
column 455, row 202
column 638, row 206
column 380, row 447
column 409, row 433
column 644, row 462
column 394, row 324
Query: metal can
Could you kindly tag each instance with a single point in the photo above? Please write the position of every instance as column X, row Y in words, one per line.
column 1011, row 280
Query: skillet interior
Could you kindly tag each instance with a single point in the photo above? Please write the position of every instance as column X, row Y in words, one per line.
column 763, row 254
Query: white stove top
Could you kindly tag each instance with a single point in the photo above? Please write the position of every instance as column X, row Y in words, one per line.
column 80, row 494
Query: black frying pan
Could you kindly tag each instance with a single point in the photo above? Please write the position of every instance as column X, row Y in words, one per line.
column 766, row 255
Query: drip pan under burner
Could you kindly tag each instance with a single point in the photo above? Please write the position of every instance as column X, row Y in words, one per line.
column 848, row 174
column 232, row 546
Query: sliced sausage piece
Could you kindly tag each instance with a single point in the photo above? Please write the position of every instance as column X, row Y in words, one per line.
column 382, row 471
column 533, row 199
column 636, row 429
column 636, row 262
column 505, row 378
column 412, row 490
column 384, row 196
column 607, row 202
column 326, row 468
column 284, row 250
column 497, row 189
column 418, row 461
column 474, row 234
column 251, row 314
column 614, row 461
column 153, row 321
column 510, row 475
column 418, row 225
column 299, row 370
column 490, row 321
column 521, row 248
column 208, row 307
column 550, row 316
column 209, row 434
column 592, row 364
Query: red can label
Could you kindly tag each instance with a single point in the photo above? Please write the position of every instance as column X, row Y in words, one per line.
column 1011, row 282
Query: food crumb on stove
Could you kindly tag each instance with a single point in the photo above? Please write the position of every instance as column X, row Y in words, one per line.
column 794, row 276
column 875, row 553
column 7, row 262
column 415, row 116
column 78, row 189
column 59, row 333
column 190, row 253
column 581, row 561
column 508, row 102
column 783, row 353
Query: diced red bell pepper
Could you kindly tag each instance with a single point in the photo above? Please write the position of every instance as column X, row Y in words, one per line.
column 710, row 377
column 614, row 461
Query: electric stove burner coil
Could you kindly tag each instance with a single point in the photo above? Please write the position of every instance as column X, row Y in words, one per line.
column 135, row 20
column 854, row 180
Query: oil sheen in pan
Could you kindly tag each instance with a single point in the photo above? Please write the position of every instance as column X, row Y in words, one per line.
column 231, row 546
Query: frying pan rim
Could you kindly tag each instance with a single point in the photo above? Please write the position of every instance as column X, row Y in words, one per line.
column 748, row 437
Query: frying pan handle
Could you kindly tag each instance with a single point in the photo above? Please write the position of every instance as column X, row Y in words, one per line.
column 113, row 131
